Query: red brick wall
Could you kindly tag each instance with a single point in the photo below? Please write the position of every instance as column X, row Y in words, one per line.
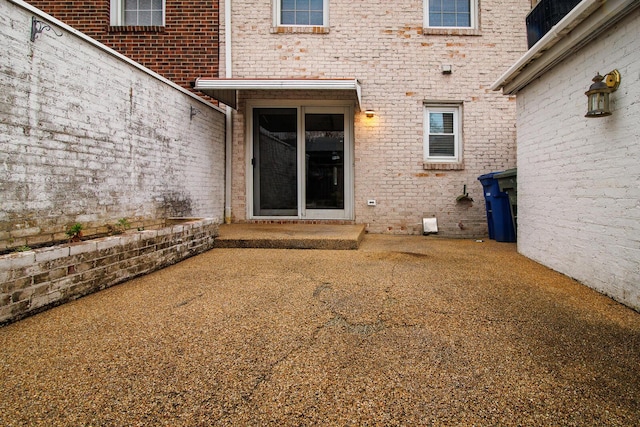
column 185, row 48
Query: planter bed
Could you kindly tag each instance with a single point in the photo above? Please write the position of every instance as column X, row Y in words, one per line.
column 35, row 280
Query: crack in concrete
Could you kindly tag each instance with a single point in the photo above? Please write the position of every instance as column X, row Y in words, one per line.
column 356, row 328
column 266, row 376
column 189, row 300
column 340, row 321
column 336, row 321
column 318, row 290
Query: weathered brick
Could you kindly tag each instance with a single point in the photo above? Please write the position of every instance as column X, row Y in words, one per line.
column 88, row 160
column 82, row 247
column 13, row 285
column 8, row 312
column 17, row 260
column 108, row 260
column 83, row 148
column 49, row 254
column 65, row 282
column 43, row 300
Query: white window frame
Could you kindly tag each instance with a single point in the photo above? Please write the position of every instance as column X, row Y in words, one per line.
column 473, row 6
column 456, row 109
column 277, row 15
column 117, row 13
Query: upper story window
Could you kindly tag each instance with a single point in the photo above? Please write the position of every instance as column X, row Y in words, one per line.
column 451, row 14
column 302, row 12
column 137, row 13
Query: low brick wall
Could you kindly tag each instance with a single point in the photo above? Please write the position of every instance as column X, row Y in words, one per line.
column 33, row 281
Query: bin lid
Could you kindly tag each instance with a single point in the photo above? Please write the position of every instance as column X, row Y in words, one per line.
column 489, row 175
column 506, row 174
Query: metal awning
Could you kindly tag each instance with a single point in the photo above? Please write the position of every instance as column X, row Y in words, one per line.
column 226, row 90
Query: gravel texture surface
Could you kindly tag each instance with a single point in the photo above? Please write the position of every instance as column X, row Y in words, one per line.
column 407, row 330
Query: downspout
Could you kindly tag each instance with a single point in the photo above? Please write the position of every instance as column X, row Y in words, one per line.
column 229, row 114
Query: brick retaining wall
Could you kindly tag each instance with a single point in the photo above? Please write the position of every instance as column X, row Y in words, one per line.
column 35, row 280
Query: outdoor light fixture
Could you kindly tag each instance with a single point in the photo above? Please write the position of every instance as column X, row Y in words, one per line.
column 370, row 113
column 598, row 94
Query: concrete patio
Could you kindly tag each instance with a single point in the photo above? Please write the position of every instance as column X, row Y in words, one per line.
column 406, row 330
column 290, row 236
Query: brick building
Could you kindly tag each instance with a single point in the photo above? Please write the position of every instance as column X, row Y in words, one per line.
column 312, row 69
column 377, row 113
column 178, row 40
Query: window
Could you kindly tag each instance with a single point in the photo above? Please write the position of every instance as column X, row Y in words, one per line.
column 137, row 12
column 450, row 13
column 443, row 134
column 302, row 12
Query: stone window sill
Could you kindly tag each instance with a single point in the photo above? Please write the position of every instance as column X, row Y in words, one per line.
column 443, row 166
column 451, row 31
column 299, row 30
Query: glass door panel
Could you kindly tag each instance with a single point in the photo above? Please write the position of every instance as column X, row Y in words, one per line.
column 275, row 162
column 324, row 161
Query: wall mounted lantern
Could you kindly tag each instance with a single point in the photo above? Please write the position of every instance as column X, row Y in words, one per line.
column 370, row 113
column 598, row 94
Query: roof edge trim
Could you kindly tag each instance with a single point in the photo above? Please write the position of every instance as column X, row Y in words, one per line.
column 582, row 24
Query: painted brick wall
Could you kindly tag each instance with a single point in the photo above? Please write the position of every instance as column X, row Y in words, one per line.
column 88, row 137
column 382, row 44
column 185, row 48
column 579, row 178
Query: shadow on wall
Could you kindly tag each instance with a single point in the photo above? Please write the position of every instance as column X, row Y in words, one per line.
column 175, row 204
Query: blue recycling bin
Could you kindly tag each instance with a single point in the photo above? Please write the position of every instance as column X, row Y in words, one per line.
column 498, row 208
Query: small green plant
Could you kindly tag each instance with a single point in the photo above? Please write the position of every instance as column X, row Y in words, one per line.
column 75, row 232
column 22, row 249
column 119, row 227
column 123, row 223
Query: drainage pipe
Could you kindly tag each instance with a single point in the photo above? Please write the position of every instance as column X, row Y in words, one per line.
column 229, row 114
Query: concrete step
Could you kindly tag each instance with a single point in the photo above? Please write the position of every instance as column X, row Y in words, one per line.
column 290, row 236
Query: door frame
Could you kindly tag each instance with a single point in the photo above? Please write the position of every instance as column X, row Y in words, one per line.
column 341, row 106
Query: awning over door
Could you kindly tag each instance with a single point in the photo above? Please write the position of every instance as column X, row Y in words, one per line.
column 226, row 90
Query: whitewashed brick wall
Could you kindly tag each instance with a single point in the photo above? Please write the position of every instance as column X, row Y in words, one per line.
column 579, row 178
column 87, row 137
column 382, row 44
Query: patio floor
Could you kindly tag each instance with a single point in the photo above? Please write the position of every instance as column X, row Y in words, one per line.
column 406, row 330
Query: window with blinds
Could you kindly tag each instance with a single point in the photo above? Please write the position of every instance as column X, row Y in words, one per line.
column 442, row 133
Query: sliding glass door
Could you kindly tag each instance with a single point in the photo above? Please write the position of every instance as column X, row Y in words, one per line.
column 301, row 161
